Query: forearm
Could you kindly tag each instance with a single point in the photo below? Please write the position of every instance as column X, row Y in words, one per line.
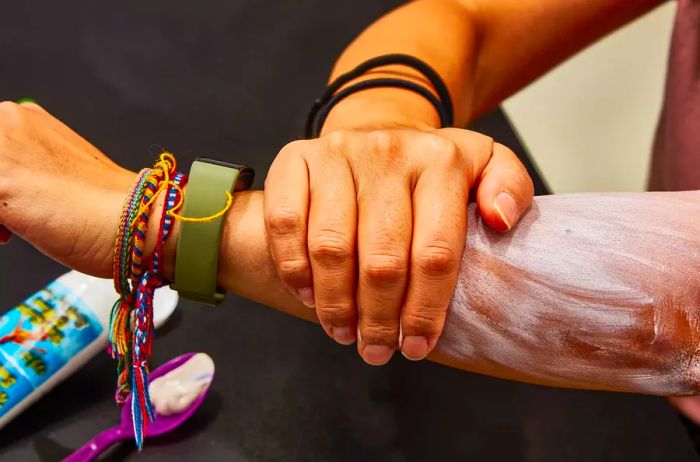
column 484, row 51
column 589, row 291
column 440, row 33
column 594, row 291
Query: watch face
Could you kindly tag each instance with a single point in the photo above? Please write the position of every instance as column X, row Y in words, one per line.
column 245, row 177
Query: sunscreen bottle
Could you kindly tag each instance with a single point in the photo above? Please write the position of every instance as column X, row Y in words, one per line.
column 56, row 331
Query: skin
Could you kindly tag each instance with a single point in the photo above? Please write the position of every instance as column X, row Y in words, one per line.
column 368, row 222
column 589, row 291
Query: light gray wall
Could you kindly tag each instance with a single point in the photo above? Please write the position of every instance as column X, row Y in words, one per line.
column 589, row 124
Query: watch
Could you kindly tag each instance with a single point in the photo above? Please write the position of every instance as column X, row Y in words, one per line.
column 199, row 243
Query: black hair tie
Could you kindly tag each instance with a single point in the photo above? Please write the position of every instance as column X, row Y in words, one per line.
column 378, row 83
column 328, row 99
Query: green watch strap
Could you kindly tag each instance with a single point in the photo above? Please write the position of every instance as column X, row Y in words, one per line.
column 199, row 243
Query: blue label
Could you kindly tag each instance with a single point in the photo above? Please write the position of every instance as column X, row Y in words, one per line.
column 38, row 337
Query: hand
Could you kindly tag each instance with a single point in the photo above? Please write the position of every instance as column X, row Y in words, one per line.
column 57, row 191
column 393, row 203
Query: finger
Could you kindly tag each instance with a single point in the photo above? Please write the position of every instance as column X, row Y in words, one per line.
column 505, row 190
column 497, row 170
column 5, row 235
column 439, row 231
column 475, row 148
column 286, row 206
column 384, row 239
column 332, row 230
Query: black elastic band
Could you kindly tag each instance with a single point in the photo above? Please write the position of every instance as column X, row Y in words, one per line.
column 378, row 83
column 445, row 102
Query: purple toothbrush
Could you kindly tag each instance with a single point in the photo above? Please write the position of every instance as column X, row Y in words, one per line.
column 125, row 430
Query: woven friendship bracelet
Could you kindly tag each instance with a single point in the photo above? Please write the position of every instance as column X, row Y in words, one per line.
column 136, row 279
column 137, row 276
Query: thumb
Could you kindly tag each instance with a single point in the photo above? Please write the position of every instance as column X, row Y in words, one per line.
column 504, row 190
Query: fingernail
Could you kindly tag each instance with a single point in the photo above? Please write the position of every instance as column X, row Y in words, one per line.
column 507, row 208
column 414, row 347
column 306, row 295
column 26, row 100
column 377, row 355
column 343, row 335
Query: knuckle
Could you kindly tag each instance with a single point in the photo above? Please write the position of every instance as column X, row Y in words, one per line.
column 482, row 141
column 293, row 270
column 330, row 248
column 428, row 321
column 283, row 222
column 522, row 176
column 503, row 149
column 384, row 269
column 475, row 139
column 486, row 140
column 440, row 144
column 383, row 141
column 515, row 173
column 444, row 149
column 293, row 148
column 436, row 259
column 381, row 332
column 335, row 313
column 517, row 177
column 336, row 141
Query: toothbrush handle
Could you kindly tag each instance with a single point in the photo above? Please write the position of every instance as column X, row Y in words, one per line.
column 97, row 445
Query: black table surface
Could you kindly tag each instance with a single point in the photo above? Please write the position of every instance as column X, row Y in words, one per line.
column 233, row 79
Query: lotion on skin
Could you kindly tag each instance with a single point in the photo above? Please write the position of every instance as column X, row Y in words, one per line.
column 56, row 331
column 598, row 291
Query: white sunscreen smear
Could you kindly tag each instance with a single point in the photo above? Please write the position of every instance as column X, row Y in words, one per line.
column 175, row 391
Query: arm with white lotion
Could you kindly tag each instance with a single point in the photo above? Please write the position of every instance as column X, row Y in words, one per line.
column 596, row 291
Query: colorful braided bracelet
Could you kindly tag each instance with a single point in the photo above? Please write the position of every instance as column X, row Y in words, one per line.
column 136, row 279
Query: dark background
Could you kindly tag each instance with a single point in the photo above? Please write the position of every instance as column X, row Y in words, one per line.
column 233, row 79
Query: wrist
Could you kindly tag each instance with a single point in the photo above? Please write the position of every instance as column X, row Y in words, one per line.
column 246, row 267
column 382, row 108
column 170, row 246
column 239, row 237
